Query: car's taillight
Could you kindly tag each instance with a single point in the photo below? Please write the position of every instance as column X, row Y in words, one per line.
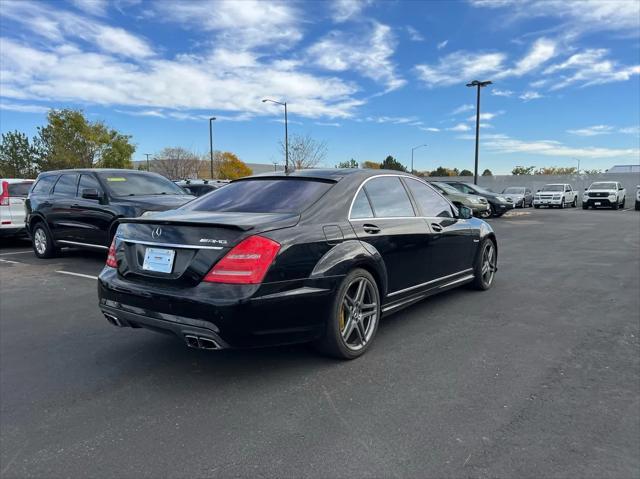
column 112, row 262
column 246, row 263
column 4, row 196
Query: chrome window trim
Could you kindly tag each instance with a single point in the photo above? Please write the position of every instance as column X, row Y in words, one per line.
column 169, row 245
column 410, row 288
column 409, row 195
column 83, row 244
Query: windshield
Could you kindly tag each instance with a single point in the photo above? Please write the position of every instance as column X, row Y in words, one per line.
column 127, row 183
column 263, row 196
column 553, row 188
column 514, row 191
column 603, row 186
column 446, row 188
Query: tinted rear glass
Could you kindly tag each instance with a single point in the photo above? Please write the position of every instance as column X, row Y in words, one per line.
column 43, row 186
column 128, row 183
column 262, row 196
column 19, row 189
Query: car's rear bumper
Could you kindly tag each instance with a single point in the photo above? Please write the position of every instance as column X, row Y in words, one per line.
column 231, row 315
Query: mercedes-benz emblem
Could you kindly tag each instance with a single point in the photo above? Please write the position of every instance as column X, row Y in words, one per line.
column 156, row 233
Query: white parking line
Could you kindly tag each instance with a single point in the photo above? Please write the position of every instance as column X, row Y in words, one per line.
column 17, row 252
column 80, row 275
column 9, row 261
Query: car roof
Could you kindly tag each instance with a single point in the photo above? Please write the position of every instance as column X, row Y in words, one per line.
column 335, row 174
column 94, row 170
column 17, row 180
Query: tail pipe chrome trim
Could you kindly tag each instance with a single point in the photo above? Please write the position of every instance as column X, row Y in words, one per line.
column 113, row 319
column 201, row 342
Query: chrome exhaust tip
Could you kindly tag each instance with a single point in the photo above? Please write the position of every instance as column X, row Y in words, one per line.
column 199, row 342
column 113, row 320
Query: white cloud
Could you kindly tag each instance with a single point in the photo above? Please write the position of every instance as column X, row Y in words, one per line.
column 343, row 10
column 92, row 7
column 486, row 116
column 369, row 54
column 58, row 25
column 630, row 130
column 414, row 35
column 592, row 130
column 530, row 95
column 396, row 120
column 430, row 129
column 463, row 108
column 541, row 51
column 460, row 127
column 23, row 108
column 505, row 144
column 460, row 67
column 334, row 124
column 498, row 92
column 442, row 44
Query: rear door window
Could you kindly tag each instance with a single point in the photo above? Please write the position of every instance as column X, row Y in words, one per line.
column 269, row 195
column 361, row 207
column 66, row 185
column 88, row 182
column 44, row 184
column 431, row 203
column 388, row 197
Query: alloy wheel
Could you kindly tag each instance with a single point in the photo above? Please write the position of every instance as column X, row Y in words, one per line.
column 358, row 314
column 40, row 241
column 488, row 263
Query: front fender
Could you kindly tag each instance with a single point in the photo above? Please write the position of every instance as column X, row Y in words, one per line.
column 342, row 258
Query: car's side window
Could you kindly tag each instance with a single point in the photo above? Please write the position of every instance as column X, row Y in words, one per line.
column 361, row 207
column 432, row 204
column 88, row 182
column 567, row 188
column 66, row 185
column 388, row 197
column 43, row 186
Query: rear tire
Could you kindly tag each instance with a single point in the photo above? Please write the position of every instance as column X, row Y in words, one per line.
column 353, row 318
column 485, row 266
column 42, row 242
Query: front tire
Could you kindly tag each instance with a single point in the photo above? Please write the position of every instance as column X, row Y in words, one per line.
column 354, row 317
column 485, row 266
column 575, row 202
column 42, row 242
column 562, row 203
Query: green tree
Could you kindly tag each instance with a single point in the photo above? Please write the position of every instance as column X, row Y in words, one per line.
column 372, row 165
column 17, row 156
column 487, row 172
column 591, row 172
column 554, row 170
column 523, row 170
column 390, row 163
column 69, row 140
column 348, row 164
column 466, row 173
column 442, row 171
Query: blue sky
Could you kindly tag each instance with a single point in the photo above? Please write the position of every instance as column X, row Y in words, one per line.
column 370, row 78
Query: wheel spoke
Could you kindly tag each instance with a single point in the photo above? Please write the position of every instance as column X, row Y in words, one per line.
column 361, row 331
column 348, row 328
column 360, row 292
column 368, row 306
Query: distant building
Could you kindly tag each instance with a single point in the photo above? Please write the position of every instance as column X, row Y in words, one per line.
column 624, row 169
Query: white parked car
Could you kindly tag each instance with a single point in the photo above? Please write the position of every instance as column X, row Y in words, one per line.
column 558, row 194
column 13, row 193
column 604, row 193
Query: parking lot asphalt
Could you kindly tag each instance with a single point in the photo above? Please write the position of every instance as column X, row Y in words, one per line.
column 537, row 377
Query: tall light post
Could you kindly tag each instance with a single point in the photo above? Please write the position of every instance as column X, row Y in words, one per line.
column 578, row 160
column 211, row 120
column 412, row 150
column 286, row 132
column 478, row 85
column 147, row 155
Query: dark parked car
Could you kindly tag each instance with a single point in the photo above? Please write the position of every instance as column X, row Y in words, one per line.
column 200, row 187
column 499, row 204
column 315, row 255
column 81, row 207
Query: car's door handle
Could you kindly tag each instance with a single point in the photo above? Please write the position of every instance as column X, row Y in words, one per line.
column 436, row 227
column 369, row 228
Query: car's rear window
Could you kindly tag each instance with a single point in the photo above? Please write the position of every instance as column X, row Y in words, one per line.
column 263, row 196
column 19, row 189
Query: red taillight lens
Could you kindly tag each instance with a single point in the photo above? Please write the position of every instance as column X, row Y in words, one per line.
column 112, row 262
column 247, row 263
column 4, row 195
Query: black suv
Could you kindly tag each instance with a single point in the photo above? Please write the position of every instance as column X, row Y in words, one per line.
column 81, row 207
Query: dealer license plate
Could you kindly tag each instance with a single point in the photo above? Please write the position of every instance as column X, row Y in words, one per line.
column 158, row 260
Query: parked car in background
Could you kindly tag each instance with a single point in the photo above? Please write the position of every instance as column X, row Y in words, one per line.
column 498, row 203
column 478, row 204
column 560, row 195
column 312, row 255
column 610, row 194
column 81, row 207
column 520, row 196
column 200, row 187
column 637, row 197
column 13, row 193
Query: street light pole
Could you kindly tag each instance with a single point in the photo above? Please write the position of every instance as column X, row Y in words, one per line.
column 147, row 155
column 412, row 150
column 286, row 132
column 211, row 120
column 478, row 85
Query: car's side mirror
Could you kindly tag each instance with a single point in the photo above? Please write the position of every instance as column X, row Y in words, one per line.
column 586, row 189
column 90, row 194
column 465, row 213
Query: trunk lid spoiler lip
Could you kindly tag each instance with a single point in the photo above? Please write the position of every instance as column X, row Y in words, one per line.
column 269, row 220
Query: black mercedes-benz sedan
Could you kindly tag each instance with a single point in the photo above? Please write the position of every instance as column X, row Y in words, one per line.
column 315, row 255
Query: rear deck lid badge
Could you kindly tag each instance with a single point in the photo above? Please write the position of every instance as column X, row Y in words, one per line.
column 156, row 233
column 213, row 241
